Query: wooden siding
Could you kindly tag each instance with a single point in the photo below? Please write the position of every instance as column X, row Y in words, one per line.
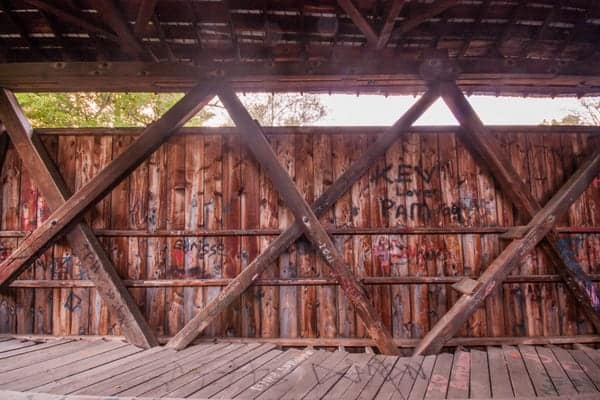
column 208, row 182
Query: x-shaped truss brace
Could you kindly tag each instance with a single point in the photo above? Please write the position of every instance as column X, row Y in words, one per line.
column 67, row 213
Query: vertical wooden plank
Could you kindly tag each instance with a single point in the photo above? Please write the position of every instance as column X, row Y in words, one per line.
column 175, row 221
column 541, row 190
column 194, row 219
column 471, row 244
column 417, row 216
column 305, row 255
column 579, row 216
column 560, row 380
column 568, row 306
column 479, row 382
column 458, row 387
column 250, row 210
column 341, row 150
column 513, row 293
column 499, row 379
column 531, row 292
column 269, row 212
column 519, row 377
column 393, row 251
column 288, row 310
column 323, row 167
column 10, row 221
column 535, row 368
column 80, row 302
column 382, row 294
column 157, row 219
column 232, row 187
column 138, row 220
column 28, row 222
column 486, row 207
column 440, row 377
column 360, row 215
column 213, row 218
column 100, row 219
column 119, row 218
column 451, row 215
column 64, row 301
column 430, row 197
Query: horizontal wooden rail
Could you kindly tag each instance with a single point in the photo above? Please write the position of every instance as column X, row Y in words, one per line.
column 380, row 280
column 458, row 230
column 319, row 130
column 349, row 342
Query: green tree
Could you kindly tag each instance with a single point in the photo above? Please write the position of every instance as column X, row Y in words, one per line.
column 100, row 109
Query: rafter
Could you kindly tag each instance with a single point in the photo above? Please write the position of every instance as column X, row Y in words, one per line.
column 145, row 13
column 251, row 273
column 390, row 20
column 72, row 17
column 114, row 18
column 360, row 21
column 64, row 216
column 498, row 270
column 34, row 48
column 541, row 30
column 83, row 242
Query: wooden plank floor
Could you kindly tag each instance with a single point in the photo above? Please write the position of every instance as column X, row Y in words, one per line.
column 72, row 369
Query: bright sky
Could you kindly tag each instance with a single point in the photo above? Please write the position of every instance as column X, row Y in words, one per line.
column 378, row 110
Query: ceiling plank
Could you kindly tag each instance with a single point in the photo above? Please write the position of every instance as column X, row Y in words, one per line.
column 360, row 21
column 145, row 13
column 390, row 20
column 73, row 18
column 111, row 14
column 431, row 11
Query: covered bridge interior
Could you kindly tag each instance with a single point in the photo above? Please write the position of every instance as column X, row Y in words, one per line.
column 300, row 262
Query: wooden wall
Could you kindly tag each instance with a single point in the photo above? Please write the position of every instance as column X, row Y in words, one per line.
column 202, row 182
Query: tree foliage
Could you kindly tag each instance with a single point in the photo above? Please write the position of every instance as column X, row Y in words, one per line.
column 588, row 114
column 100, row 109
column 59, row 110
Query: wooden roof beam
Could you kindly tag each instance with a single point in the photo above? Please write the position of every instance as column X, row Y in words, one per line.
column 360, row 21
column 93, row 257
column 500, row 268
column 6, row 7
column 73, row 18
column 129, row 42
column 145, row 14
column 111, row 175
column 390, row 21
column 251, row 273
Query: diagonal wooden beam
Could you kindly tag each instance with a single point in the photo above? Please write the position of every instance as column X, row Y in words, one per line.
column 360, row 21
column 390, row 20
column 144, row 15
column 251, row 273
column 257, row 143
column 489, row 154
column 65, row 216
column 130, row 43
column 541, row 224
column 73, row 18
column 94, row 259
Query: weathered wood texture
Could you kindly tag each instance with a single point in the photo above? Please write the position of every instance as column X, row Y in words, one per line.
column 436, row 184
column 100, row 370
